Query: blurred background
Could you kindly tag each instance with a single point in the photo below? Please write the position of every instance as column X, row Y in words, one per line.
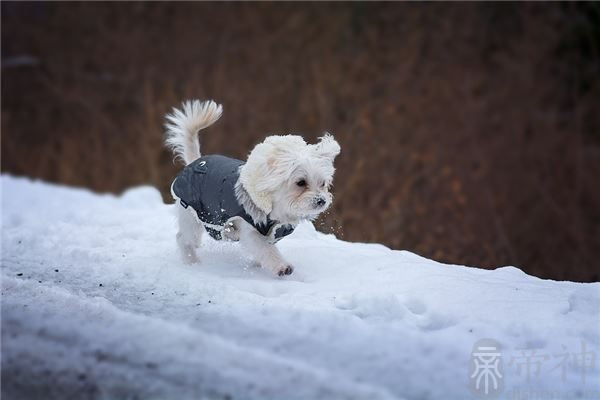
column 470, row 132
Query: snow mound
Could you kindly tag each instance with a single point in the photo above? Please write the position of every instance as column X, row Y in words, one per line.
column 96, row 303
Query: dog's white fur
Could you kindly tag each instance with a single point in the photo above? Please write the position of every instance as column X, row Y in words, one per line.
column 270, row 183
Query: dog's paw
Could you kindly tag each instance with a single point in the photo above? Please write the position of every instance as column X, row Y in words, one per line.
column 190, row 258
column 285, row 270
column 231, row 231
column 188, row 255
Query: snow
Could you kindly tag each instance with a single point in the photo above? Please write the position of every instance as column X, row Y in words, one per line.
column 96, row 303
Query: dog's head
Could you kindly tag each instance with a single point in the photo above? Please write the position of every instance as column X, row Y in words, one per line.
column 289, row 179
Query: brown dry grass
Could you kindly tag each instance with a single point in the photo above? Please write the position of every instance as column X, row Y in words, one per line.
column 469, row 132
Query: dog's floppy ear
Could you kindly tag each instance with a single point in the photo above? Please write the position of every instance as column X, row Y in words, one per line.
column 253, row 175
column 327, row 147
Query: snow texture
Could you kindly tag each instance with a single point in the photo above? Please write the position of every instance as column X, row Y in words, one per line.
column 97, row 304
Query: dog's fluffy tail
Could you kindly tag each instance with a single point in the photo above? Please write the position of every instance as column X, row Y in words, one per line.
column 184, row 124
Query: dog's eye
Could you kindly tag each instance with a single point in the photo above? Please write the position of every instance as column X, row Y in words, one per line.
column 301, row 183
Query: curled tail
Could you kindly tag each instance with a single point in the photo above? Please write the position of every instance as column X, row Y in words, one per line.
column 184, row 124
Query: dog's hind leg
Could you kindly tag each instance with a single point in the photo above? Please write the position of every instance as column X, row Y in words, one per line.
column 189, row 235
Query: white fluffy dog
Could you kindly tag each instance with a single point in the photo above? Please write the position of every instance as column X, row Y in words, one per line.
column 284, row 180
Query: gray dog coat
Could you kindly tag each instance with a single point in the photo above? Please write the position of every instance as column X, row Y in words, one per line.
column 207, row 185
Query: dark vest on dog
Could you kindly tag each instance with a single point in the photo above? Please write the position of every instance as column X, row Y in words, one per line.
column 208, row 186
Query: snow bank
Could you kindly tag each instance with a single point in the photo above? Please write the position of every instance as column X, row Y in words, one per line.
column 96, row 303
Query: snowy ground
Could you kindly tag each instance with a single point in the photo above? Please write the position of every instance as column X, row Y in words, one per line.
column 96, row 304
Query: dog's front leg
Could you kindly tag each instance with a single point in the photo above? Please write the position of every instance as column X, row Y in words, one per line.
column 262, row 251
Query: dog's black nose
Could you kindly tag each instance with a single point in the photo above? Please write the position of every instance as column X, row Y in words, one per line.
column 320, row 202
